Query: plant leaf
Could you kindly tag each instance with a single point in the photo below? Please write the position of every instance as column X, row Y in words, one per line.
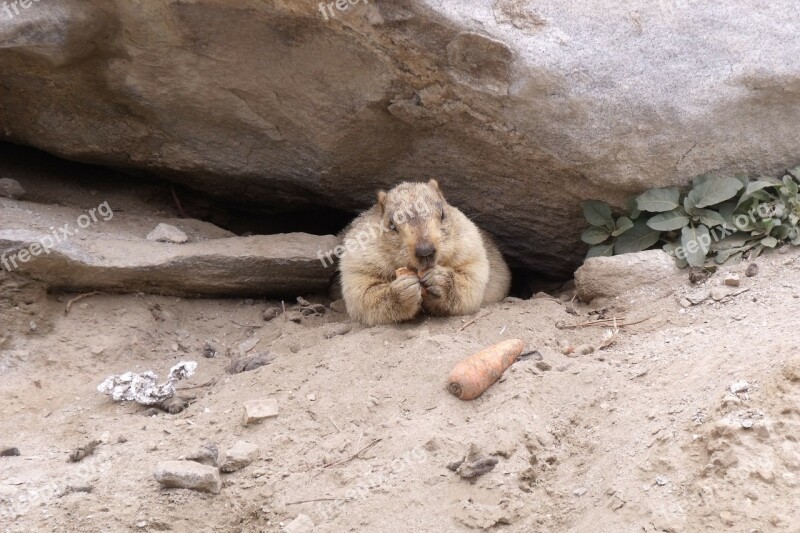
column 671, row 248
column 715, row 190
column 639, row 237
column 598, row 213
column 632, row 207
column 601, row 250
column 659, row 200
column 623, row 225
column 769, row 242
column 669, row 221
column 709, row 217
column 695, row 242
column 595, row 235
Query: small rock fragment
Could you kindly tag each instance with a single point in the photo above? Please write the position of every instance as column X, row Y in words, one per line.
column 211, row 350
column 740, row 386
column 580, row 491
column 251, row 362
column 248, row 345
column 301, row 524
column 174, row 405
column 544, row 366
column 313, row 310
column 271, row 313
column 9, row 451
column 168, row 234
column 188, row 475
column 258, row 410
column 294, row 316
column 339, row 306
column 584, row 349
column 732, row 280
column 238, row 456
column 720, row 293
column 661, row 481
column 334, row 330
column 752, row 270
column 208, row 455
column 791, row 370
column 698, row 297
column 11, row 189
column 83, row 451
column 470, row 470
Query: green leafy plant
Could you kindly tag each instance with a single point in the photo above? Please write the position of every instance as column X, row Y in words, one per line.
column 718, row 219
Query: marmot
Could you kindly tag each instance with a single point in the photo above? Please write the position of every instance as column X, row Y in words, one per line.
column 454, row 267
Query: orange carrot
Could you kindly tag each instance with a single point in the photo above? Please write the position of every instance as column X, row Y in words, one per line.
column 472, row 376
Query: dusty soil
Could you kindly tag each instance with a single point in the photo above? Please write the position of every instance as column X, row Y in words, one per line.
column 644, row 435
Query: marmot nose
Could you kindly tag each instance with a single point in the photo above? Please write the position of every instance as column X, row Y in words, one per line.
column 425, row 251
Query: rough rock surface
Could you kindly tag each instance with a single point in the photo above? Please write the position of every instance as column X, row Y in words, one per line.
column 11, row 189
column 188, row 475
column 168, row 234
column 611, row 277
column 521, row 108
column 238, row 456
column 111, row 255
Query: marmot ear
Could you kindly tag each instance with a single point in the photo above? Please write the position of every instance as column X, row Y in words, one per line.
column 433, row 184
column 382, row 200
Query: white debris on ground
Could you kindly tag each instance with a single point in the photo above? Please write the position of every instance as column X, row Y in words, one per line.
column 142, row 388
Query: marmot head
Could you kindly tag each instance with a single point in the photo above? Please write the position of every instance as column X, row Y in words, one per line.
column 416, row 215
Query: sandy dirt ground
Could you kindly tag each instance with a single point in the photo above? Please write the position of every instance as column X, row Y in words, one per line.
column 646, row 434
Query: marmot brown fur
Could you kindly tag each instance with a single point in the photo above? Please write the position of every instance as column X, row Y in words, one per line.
column 455, row 267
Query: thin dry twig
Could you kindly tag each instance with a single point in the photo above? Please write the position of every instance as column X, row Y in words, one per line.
column 316, row 500
column 601, row 322
column 465, row 326
column 354, row 456
column 79, row 298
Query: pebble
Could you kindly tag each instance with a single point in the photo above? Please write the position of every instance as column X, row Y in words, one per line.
column 271, row 313
column 188, row 475
column 238, row 456
column 211, row 350
column 9, row 451
column 249, row 344
column 732, row 280
column 294, row 316
column 584, row 349
column 544, row 366
column 334, row 330
column 698, row 297
column 752, row 270
column 168, row 234
column 720, row 293
column 11, row 189
column 685, row 303
column 791, row 370
column 301, row 524
column 339, row 306
column 740, row 386
column 258, row 410
column 208, row 455
column 661, row 481
column 580, row 491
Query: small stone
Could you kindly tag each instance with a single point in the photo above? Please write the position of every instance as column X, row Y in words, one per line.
column 251, row 362
column 791, row 370
column 238, row 456
column 747, row 423
column 168, row 234
column 580, row 491
column 312, row 397
column 313, row 310
column 271, row 313
column 740, row 386
column 301, row 524
column 208, row 455
column 732, row 280
column 685, row 303
column 258, row 410
column 752, row 270
column 661, row 481
column 720, row 293
column 479, row 467
column 339, row 306
column 211, row 350
column 97, row 350
column 11, row 189
column 294, row 316
column 248, row 345
column 544, row 366
column 188, row 475
column 584, row 349
column 698, row 297
column 334, row 330
column 9, row 451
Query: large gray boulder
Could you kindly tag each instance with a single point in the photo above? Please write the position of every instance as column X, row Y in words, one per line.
column 521, row 108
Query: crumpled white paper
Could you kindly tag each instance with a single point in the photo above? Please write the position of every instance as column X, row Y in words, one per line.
column 142, row 388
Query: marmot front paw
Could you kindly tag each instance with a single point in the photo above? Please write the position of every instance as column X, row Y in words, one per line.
column 438, row 281
column 407, row 292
